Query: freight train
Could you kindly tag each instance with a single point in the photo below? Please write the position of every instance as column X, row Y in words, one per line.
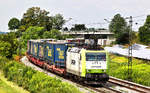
column 70, row 59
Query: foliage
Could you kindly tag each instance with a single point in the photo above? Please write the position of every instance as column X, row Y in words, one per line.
column 34, row 81
column 91, row 29
column 118, row 24
column 55, row 34
column 35, row 32
column 14, row 23
column 32, row 33
column 144, row 32
column 36, row 17
column 140, row 69
column 8, row 44
column 78, row 27
column 57, row 21
column 120, row 29
column 65, row 29
column 5, row 48
column 123, row 38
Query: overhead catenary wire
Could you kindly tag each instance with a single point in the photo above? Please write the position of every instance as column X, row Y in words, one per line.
column 137, row 21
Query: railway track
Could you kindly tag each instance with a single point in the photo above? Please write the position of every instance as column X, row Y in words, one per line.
column 129, row 85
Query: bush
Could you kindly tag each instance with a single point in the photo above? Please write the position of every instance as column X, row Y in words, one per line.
column 8, row 44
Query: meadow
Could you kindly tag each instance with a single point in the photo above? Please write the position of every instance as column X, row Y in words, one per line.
column 118, row 67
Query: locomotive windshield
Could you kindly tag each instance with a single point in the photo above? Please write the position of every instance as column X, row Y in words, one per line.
column 95, row 56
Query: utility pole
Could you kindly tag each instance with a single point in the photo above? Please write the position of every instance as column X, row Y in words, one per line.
column 130, row 50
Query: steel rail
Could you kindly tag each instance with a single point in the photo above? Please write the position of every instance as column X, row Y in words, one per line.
column 129, row 85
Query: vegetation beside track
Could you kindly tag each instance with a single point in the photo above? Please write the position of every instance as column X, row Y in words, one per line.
column 9, row 87
column 118, row 67
column 33, row 81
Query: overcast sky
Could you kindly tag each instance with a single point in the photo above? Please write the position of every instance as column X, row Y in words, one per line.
column 81, row 11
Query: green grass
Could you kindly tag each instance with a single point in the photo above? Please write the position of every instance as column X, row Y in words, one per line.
column 9, row 87
column 118, row 67
column 4, row 88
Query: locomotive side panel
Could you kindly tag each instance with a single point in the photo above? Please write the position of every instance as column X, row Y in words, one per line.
column 73, row 63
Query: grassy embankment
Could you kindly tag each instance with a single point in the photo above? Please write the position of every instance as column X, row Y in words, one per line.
column 9, row 87
column 118, row 67
column 33, row 81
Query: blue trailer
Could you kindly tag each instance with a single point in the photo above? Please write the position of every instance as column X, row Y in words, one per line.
column 49, row 53
column 55, row 53
column 60, row 54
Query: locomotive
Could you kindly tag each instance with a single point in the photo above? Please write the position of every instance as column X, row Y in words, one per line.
column 70, row 59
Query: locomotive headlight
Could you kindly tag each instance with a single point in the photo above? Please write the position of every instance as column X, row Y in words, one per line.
column 104, row 70
column 88, row 70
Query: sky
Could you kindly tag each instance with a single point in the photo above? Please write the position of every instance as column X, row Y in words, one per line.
column 89, row 12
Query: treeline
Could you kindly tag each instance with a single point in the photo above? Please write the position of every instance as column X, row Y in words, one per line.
column 34, row 24
column 120, row 28
column 36, row 17
column 37, row 24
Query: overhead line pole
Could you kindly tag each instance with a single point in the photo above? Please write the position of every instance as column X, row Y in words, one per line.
column 130, row 50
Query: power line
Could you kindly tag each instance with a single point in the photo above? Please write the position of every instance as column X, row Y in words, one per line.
column 139, row 16
column 140, row 20
column 108, row 21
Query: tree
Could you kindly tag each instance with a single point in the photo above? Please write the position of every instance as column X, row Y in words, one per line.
column 144, row 32
column 91, row 29
column 14, row 23
column 78, row 27
column 120, row 29
column 33, row 32
column 65, row 29
column 54, row 33
column 57, row 21
column 8, row 44
column 36, row 17
column 5, row 48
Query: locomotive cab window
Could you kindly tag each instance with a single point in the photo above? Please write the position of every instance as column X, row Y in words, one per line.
column 95, row 57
